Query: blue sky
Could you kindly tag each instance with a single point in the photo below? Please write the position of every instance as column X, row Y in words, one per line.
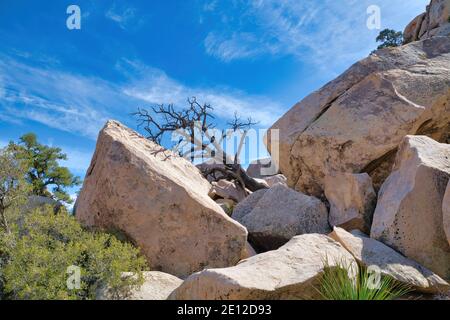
column 258, row 57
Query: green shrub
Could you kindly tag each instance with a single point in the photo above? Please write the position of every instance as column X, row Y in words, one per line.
column 390, row 38
column 336, row 284
column 43, row 171
column 42, row 245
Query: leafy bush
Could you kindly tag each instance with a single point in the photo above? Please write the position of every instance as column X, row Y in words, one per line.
column 336, row 284
column 42, row 245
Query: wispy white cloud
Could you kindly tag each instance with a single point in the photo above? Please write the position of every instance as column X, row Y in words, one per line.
column 236, row 46
column 58, row 99
column 125, row 17
column 81, row 104
column 210, row 5
column 313, row 31
column 154, row 86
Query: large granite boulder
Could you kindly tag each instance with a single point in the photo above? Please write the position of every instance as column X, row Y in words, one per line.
column 412, row 30
column 158, row 200
column 282, row 213
column 157, row 286
column 356, row 122
column 352, row 200
column 370, row 252
column 409, row 215
column 432, row 23
column 293, row 271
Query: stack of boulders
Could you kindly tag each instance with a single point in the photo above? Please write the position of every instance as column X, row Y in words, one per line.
column 434, row 22
column 364, row 179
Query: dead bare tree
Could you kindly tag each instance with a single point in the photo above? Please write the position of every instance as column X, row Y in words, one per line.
column 199, row 138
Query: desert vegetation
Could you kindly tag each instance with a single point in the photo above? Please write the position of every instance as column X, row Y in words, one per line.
column 42, row 245
column 345, row 283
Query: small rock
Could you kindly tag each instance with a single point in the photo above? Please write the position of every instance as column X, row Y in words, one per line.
column 352, row 200
column 276, row 179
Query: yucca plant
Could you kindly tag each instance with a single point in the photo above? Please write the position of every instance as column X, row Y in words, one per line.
column 337, row 284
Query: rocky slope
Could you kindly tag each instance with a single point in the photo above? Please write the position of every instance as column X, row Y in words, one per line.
column 365, row 157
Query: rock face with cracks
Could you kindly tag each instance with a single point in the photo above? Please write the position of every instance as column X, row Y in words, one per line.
column 434, row 22
column 160, row 201
column 356, row 122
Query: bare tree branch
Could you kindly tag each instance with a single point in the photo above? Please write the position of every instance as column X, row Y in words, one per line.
column 193, row 126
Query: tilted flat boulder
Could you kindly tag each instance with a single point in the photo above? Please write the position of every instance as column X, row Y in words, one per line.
column 356, row 122
column 158, row 200
column 409, row 216
column 157, row 286
column 292, row 272
column 352, row 200
column 282, row 213
column 370, row 252
column 446, row 212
